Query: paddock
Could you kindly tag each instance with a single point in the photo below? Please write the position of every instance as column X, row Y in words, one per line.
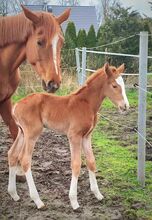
column 116, row 156
column 51, row 172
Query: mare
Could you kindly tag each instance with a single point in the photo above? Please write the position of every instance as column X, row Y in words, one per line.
column 37, row 37
column 74, row 115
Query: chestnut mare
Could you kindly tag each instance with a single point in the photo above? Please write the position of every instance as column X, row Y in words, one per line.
column 74, row 115
column 36, row 37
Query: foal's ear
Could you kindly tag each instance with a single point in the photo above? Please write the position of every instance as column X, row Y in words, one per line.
column 108, row 70
column 30, row 15
column 120, row 69
column 64, row 16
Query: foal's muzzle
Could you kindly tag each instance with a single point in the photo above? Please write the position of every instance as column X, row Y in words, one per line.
column 123, row 108
column 50, row 87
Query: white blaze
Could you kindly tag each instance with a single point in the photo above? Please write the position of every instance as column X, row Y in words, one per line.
column 54, row 47
column 120, row 81
column 13, row 109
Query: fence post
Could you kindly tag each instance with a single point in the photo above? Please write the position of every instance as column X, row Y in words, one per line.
column 83, row 73
column 78, row 64
column 143, row 56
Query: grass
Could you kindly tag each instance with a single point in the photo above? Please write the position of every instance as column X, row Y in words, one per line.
column 117, row 165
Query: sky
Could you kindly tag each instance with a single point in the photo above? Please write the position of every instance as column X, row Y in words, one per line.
column 140, row 5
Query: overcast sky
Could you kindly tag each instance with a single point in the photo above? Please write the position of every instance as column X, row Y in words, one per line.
column 141, row 5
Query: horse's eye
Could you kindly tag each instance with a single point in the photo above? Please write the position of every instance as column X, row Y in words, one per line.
column 114, row 86
column 40, row 43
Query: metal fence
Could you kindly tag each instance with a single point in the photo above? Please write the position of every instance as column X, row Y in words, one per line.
column 142, row 86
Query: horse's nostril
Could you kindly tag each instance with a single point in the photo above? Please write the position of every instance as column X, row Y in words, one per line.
column 52, row 86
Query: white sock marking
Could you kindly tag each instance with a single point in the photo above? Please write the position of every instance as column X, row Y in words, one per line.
column 94, row 185
column 120, row 81
column 12, row 183
column 33, row 191
column 54, row 45
column 73, row 192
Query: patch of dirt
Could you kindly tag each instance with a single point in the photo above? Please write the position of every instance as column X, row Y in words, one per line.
column 52, row 175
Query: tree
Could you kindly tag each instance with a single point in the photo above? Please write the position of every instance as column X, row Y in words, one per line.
column 122, row 23
column 3, row 7
column 82, row 38
column 104, row 9
column 70, row 36
column 91, row 37
column 14, row 6
column 68, row 51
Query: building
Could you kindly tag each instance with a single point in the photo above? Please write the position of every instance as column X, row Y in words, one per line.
column 82, row 16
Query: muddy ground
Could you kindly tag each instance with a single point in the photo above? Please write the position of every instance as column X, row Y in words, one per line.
column 52, row 174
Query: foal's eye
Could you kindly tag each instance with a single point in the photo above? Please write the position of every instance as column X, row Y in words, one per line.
column 114, row 86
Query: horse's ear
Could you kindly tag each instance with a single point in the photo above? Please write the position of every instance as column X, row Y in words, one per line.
column 108, row 70
column 30, row 15
column 64, row 16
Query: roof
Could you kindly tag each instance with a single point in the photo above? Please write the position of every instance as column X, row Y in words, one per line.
column 82, row 16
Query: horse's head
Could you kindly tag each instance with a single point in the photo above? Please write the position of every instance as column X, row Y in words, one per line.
column 44, row 45
column 114, row 87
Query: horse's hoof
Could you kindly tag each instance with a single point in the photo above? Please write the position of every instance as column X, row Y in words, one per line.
column 20, row 179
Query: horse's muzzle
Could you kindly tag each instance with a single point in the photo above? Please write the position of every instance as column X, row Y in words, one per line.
column 50, row 87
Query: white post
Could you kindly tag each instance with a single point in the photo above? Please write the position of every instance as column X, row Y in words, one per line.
column 83, row 73
column 143, row 55
column 78, row 64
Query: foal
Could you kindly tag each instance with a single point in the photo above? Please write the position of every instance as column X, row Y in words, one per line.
column 74, row 115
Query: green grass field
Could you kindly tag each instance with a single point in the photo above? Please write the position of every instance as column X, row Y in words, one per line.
column 117, row 165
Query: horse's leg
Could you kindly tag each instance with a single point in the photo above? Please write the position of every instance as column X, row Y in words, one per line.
column 5, row 111
column 75, row 147
column 13, row 155
column 25, row 161
column 87, row 148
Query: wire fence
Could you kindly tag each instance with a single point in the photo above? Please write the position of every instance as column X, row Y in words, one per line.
column 127, row 127
column 89, row 50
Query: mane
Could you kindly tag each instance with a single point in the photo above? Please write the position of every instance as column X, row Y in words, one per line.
column 90, row 80
column 16, row 29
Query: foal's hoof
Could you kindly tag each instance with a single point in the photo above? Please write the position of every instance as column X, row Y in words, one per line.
column 20, row 179
column 98, row 195
column 75, row 205
column 16, row 198
column 42, row 208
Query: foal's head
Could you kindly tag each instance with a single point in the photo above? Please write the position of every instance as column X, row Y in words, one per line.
column 114, row 87
column 44, row 45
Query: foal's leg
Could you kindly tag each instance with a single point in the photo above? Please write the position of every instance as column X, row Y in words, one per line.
column 25, row 161
column 5, row 111
column 13, row 154
column 87, row 148
column 75, row 147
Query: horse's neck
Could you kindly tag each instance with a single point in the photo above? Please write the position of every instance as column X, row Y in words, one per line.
column 11, row 57
column 93, row 94
column 14, row 29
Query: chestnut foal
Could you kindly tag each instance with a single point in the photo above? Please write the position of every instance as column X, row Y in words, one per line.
column 74, row 115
